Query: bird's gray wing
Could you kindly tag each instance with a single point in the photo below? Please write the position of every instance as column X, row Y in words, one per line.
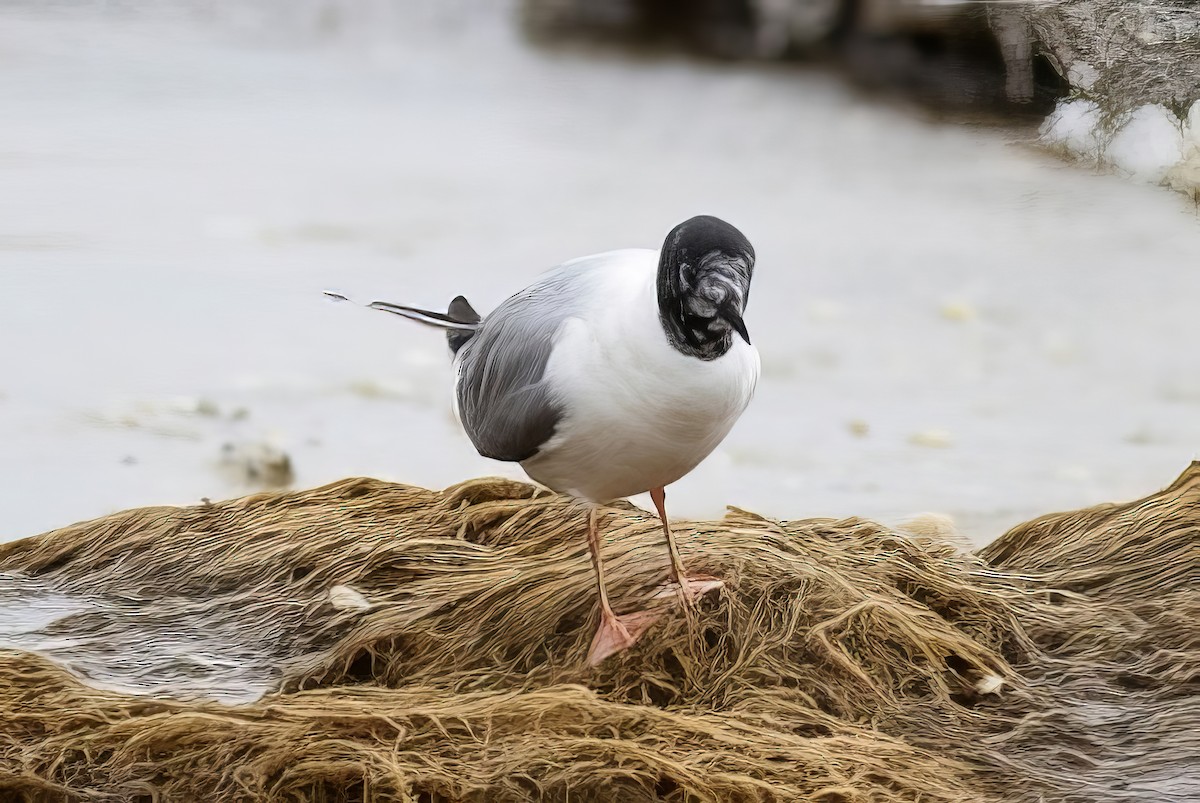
column 504, row 403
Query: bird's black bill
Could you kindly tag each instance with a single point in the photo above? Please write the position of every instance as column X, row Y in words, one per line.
column 735, row 320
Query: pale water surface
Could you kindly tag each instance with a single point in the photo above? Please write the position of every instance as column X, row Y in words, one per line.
column 949, row 319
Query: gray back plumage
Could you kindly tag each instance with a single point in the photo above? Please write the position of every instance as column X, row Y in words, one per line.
column 505, row 407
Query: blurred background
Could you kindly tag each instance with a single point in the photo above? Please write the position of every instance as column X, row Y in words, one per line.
column 951, row 318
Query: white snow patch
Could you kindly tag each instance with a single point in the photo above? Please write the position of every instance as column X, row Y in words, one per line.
column 1148, row 145
column 1186, row 175
column 1191, row 128
column 1075, row 127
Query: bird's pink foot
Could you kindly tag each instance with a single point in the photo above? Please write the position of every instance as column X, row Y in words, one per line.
column 691, row 589
column 617, row 633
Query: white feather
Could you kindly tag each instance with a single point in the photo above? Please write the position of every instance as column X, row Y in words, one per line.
column 347, row 598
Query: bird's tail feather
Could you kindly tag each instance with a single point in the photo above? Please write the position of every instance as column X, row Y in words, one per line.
column 460, row 321
column 460, row 317
column 429, row 318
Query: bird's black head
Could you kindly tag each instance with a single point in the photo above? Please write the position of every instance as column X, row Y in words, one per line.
column 703, row 285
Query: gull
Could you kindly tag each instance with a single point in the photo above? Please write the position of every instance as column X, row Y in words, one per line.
column 611, row 375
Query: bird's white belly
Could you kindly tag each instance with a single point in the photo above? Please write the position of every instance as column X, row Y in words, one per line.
column 640, row 414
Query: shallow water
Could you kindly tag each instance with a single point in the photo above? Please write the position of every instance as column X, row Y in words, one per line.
column 185, row 648
column 949, row 319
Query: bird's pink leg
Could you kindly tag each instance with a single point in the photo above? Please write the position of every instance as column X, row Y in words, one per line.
column 691, row 588
column 615, row 633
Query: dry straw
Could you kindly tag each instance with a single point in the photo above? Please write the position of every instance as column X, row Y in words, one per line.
column 426, row 646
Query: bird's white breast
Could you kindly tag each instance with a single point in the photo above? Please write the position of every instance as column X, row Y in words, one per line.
column 637, row 413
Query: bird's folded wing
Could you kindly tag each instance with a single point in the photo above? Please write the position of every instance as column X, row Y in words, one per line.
column 506, row 406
